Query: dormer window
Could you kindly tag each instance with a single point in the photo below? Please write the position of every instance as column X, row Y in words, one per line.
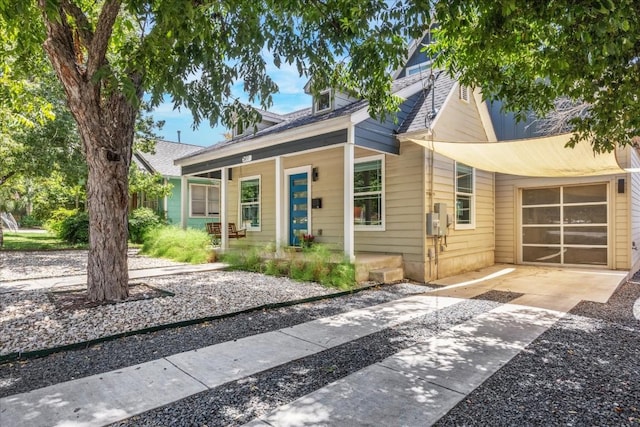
column 418, row 68
column 322, row 101
column 238, row 129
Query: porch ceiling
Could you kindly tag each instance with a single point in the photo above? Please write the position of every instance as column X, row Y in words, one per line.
column 540, row 157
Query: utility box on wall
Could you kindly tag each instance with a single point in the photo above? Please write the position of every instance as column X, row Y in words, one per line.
column 437, row 220
column 433, row 224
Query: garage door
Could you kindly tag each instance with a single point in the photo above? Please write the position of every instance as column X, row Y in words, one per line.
column 565, row 225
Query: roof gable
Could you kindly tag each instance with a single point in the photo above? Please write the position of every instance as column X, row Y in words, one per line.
column 161, row 160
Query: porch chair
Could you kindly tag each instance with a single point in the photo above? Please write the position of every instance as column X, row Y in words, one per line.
column 234, row 232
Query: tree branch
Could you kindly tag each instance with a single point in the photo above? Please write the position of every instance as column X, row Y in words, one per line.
column 100, row 42
column 6, row 177
column 83, row 26
column 60, row 48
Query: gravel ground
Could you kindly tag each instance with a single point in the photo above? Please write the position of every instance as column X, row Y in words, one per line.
column 22, row 376
column 238, row 402
column 18, row 265
column 31, row 322
column 584, row 371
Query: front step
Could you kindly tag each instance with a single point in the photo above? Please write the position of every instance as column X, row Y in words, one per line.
column 366, row 262
column 387, row 275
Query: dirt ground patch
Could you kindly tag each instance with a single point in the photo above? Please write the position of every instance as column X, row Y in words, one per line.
column 71, row 300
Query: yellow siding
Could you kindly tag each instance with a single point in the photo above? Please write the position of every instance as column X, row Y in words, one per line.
column 633, row 190
column 459, row 121
column 266, row 171
column 404, row 207
column 508, row 215
column 465, row 249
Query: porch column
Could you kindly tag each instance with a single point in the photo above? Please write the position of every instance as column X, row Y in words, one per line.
column 184, row 201
column 165, row 203
column 349, row 240
column 224, row 221
column 279, row 218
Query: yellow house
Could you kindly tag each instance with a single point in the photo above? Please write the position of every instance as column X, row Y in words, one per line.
column 431, row 184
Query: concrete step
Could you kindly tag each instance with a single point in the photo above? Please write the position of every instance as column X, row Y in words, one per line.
column 366, row 262
column 387, row 275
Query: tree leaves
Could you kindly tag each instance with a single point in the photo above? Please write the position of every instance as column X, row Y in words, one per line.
column 530, row 56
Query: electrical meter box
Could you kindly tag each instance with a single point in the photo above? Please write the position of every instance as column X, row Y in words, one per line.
column 440, row 208
column 433, row 224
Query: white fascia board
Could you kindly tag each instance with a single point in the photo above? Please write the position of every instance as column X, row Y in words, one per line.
column 323, row 126
column 363, row 114
column 485, row 116
column 444, row 105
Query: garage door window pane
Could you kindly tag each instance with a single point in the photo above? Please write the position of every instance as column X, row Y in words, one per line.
column 541, row 196
column 547, row 215
column 585, row 235
column 585, row 194
column 541, row 254
column 586, row 256
column 586, row 214
column 541, row 235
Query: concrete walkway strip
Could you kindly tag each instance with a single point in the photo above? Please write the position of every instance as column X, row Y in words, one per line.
column 229, row 361
column 422, row 383
column 102, row 399
column 81, row 279
column 336, row 330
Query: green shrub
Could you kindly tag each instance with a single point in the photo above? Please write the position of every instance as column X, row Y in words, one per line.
column 54, row 223
column 341, row 276
column 245, row 259
column 190, row 245
column 29, row 221
column 141, row 221
column 75, row 228
column 315, row 264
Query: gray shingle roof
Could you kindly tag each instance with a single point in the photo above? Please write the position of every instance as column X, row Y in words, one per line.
column 418, row 118
column 165, row 153
column 305, row 117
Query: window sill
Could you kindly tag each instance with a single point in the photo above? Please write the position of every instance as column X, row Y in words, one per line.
column 369, row 228
column 464, row 227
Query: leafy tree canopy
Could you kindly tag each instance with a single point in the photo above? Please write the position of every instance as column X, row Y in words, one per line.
column 107, row 53
column 530, row 53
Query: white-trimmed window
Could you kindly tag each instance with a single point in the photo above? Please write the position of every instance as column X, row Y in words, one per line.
column 322, row 102
column 250, row 203
column 418, row 68
column 368, row 193
column 463, row 92
column 204, row 200
column 465, row 196
column 238, row 129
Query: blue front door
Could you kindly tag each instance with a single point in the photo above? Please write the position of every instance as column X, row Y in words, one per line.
column 298, row 209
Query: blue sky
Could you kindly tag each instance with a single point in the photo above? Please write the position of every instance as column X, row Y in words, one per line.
column 291, row 97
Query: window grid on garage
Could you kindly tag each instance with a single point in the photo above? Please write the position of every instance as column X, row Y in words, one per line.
column 565, row 225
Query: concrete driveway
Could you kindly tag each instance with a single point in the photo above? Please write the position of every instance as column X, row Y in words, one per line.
column 556, row 288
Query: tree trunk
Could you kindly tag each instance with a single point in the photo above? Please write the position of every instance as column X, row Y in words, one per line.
column 106, row 123
column 107, row 191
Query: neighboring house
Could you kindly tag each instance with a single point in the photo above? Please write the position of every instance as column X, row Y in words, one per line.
column 425, row 184
column 202, row 194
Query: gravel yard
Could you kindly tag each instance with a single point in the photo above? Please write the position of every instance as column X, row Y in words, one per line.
column 17, row 265
column 30, row 321
column 584, row 370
